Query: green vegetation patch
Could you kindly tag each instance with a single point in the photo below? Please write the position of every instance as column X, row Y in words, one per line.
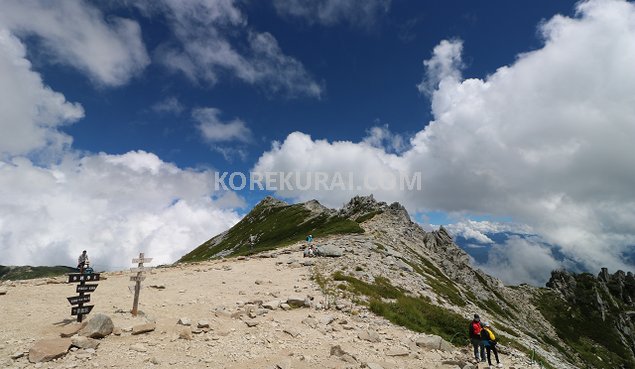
column 414, row 313
column 439, row 282
column 275, row 227
column 28, row 272
column 368, row 216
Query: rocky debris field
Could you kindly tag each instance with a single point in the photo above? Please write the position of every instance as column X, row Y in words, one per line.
column 259, row 312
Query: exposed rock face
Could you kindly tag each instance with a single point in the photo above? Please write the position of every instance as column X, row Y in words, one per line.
column 49, row 349
column 98, row 326
column 606, row 299
column 360, row 205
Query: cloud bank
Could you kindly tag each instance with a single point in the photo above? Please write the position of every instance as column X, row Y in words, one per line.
column 545, row 140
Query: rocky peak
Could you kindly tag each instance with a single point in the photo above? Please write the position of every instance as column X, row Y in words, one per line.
column 360, row 205
column 314, row 206
column 271, row 202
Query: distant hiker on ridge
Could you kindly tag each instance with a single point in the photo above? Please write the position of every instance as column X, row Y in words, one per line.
column 475, row 338
column 82, row 261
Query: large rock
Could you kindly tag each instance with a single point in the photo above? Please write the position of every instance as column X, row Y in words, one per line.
column 49, row 349
column 434, row 342
column 330, row 251
column 98, row 326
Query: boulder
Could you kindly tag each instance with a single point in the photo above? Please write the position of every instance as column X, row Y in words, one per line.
column 84, row 342
column 98, row 326
column 49, row 349
column 434, row 342
column 330, row 251
column 143, row 328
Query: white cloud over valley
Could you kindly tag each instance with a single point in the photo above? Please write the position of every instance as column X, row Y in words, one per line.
column 545, row 140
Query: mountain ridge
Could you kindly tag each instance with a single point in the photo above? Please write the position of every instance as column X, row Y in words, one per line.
column 427, row 269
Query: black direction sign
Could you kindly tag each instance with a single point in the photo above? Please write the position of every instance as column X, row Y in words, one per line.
column 74, row 300
column 77, row 277
column 81, row 309
column 86, row 288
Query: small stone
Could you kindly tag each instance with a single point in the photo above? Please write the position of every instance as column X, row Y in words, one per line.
column 143, row 328
column 251, row 323
column 374, row 366
column 292, row 332
column 138, row 347
column 271, row 305
column 17, row 355
column 72, row 329
column 84, row 342
column 184, row 321
column 296, row 301
column 3, row 291
column 155, row 361
column 203, row 324
column 185, row 334
column 397, row 351
column 370, row 336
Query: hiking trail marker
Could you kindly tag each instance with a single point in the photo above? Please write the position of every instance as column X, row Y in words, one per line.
column 80, row 310
column 138, row 278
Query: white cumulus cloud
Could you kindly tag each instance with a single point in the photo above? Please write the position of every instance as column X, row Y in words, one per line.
column 109, row 50
column 545, row 140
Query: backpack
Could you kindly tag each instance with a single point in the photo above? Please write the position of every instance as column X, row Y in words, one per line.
column 490, row 333
column 476, row 328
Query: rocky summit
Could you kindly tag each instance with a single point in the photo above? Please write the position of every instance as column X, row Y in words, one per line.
column 384, row 293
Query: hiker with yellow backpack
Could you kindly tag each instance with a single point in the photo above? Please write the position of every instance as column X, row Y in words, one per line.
column 489, row 341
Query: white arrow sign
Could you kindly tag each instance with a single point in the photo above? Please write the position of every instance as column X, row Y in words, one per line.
column 140, row 270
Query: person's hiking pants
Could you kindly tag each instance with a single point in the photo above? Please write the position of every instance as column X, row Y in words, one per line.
column 478, row 344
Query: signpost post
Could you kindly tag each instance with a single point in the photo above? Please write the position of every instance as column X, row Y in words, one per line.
column 80, row 310
column 138, row 278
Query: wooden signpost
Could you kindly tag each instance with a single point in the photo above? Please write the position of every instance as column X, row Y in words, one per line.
column 80, row 310
column 138, row 278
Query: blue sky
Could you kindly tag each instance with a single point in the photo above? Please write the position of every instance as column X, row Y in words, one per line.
column 115, row 115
